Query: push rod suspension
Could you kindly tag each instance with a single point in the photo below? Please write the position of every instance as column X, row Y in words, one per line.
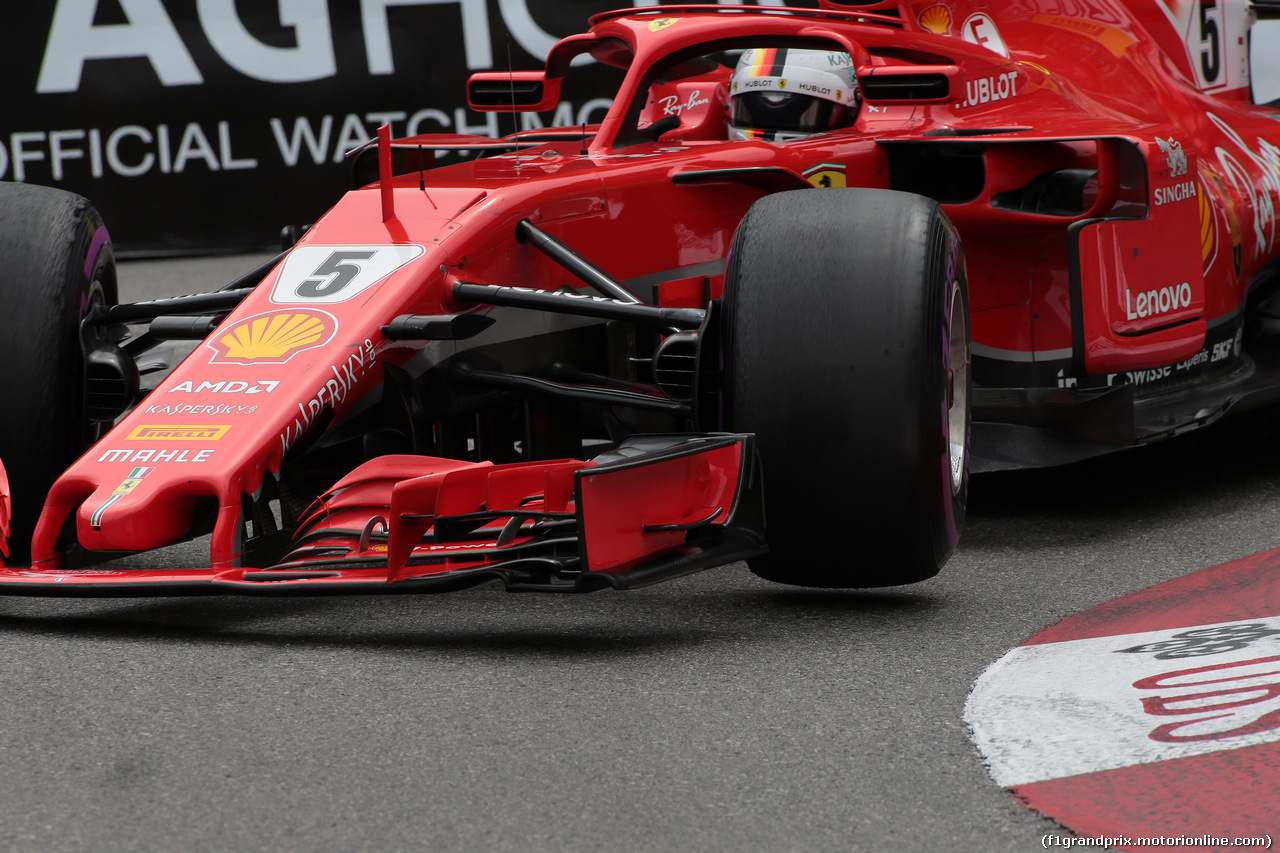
column 575, row 263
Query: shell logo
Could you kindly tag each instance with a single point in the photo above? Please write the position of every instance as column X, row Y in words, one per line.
column 1237, row 244
column 273, row 337
column 936, row 19
column 1209, row 228
column 1208, row 235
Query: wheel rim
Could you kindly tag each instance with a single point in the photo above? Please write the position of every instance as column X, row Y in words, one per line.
column 957, row 389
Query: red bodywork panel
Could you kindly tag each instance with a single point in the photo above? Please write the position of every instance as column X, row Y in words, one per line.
column 1170, row 179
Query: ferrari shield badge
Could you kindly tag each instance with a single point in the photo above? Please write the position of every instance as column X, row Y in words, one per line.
column 826, row 175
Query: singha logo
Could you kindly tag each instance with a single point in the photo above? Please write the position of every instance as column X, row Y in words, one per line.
column 1176, row 157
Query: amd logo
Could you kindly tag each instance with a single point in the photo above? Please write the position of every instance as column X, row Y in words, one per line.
column 150, row 33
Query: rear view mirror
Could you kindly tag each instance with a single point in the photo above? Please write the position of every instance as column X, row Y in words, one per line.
column 508, row 91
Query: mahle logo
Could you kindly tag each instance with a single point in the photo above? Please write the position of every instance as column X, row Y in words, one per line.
column 273, row 337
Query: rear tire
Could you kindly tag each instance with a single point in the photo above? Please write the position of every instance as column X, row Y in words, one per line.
column 846, row 352
column 55, row 260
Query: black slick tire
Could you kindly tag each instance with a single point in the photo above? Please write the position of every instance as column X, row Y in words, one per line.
column 55, row 260
column 846, row 352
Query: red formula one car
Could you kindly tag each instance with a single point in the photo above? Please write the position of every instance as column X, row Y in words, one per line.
column 730, row 321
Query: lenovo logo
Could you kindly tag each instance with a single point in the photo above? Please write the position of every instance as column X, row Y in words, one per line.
column 1151, row 303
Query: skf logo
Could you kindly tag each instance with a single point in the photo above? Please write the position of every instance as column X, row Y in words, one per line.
column 826, row 175
column 661, row 24
column 936, row 19
column 162, row 432
column 273, row 337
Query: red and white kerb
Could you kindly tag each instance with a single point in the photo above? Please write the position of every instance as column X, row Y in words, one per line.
column 1156, row 714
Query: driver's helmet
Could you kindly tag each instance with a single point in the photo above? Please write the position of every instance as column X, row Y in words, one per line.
column 783, row 93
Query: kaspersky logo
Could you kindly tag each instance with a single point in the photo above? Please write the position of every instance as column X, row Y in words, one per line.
column 273, row 337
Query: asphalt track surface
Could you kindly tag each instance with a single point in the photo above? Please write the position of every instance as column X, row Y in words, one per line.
column 717, row 712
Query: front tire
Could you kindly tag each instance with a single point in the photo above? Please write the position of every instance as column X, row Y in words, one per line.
column 55, row 261
column 846, row 352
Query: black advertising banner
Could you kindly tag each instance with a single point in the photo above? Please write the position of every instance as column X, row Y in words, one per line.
column 200, row 125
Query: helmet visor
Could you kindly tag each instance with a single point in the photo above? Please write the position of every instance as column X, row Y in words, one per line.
column 788, row 112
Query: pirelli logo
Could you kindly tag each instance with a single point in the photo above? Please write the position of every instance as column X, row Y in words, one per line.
column 168, row 432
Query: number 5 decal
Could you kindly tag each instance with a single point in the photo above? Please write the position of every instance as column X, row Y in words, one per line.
column 340, row 271
column 1210, row 42
column 324, row 275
